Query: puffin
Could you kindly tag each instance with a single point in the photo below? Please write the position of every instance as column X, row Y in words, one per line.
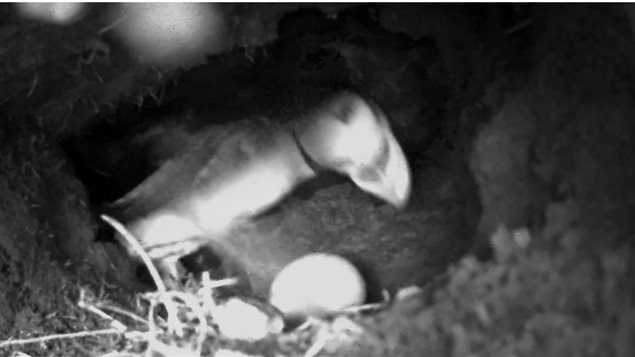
column 229, row 174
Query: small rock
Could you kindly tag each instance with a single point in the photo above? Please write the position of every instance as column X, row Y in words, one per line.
column 246, row 319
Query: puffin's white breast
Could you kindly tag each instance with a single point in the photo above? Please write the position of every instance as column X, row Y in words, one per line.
column 249, row 191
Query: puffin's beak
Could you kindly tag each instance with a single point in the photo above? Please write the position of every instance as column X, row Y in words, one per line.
column 392, row 182
column 396, row 176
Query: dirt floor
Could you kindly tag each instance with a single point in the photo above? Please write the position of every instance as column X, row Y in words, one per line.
column 517, row 121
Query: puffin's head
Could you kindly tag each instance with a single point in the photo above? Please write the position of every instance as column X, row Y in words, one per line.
column 351, row 135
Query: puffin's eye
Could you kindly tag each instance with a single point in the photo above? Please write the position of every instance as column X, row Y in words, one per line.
column 368, row 174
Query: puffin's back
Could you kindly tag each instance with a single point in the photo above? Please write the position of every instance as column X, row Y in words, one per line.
column 210, row 156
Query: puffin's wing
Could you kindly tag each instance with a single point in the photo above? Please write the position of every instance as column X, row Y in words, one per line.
column 240, row 150
column 208, row 153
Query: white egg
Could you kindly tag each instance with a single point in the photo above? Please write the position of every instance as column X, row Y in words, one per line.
column 317, row 284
